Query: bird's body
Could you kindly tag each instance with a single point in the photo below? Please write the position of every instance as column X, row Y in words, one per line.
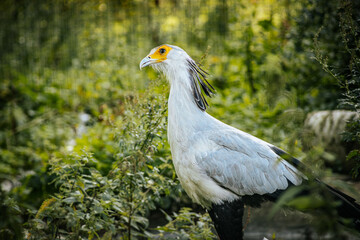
column 216, row 162
column 217, row 165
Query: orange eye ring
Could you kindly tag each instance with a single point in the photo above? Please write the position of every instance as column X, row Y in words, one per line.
column 160, row 53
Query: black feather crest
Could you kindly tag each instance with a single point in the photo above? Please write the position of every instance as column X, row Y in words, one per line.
column 198, row 78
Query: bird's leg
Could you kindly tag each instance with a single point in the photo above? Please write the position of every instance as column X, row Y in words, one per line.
column 227, row 218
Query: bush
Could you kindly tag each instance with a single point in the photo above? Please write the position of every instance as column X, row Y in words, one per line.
column 91, row 204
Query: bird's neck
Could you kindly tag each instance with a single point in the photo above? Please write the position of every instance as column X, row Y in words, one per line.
column 182, row 103
column 185, row 117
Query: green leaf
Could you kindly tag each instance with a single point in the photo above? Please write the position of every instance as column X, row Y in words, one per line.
column 70, row 200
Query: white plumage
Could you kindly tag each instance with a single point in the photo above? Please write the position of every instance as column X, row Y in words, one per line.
column 214, row 161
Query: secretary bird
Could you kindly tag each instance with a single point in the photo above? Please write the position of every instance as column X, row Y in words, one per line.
column 220, row 167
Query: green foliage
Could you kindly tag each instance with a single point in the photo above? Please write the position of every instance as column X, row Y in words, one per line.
column 191, row 225
column 11, row 220
column 352, row 136
column 315, row 88
column 349, row 76
column 90, row 204
column 350, row 29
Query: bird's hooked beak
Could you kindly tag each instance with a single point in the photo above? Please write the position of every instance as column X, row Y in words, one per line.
column 147, row 61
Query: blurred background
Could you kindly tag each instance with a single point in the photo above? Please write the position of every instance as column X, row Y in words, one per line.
column 83, row 148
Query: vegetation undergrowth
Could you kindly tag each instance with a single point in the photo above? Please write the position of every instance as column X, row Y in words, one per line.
column 90, row 204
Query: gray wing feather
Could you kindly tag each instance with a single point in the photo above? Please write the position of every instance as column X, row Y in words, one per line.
column 246, row 165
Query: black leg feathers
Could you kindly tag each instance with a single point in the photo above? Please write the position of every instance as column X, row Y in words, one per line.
column 227, row 218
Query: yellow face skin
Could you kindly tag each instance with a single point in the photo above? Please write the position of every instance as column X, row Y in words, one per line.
column 157, row 55
column 161, row 53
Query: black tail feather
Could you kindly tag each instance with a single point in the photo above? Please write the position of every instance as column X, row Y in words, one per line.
column 347, row 208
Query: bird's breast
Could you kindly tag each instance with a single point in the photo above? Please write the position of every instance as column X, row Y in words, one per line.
column 195, row 181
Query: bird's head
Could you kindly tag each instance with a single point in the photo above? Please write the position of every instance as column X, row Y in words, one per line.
column 164, row 58
column 177, row 65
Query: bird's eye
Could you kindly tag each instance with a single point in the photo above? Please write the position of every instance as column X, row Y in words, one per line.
column 162, row 50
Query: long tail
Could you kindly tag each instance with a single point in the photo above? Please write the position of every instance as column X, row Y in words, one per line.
column 347, row 208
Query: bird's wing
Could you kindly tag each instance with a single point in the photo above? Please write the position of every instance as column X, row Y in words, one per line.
column 245, row 165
